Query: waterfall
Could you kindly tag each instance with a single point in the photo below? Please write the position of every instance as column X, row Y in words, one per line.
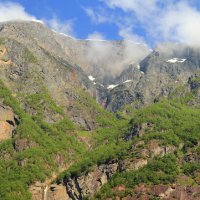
column 45, row 193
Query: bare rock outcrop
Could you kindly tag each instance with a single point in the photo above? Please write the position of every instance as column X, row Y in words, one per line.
column 166, row 192
column 8, row 122
column 89, row 183
column 137, row 130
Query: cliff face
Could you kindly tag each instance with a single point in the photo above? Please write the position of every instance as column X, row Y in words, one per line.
column 102, row 59
column 166, row 68
column 62, row 62
column 89, row 184
column 114, row 81
column 8, row 122
column 29, row 69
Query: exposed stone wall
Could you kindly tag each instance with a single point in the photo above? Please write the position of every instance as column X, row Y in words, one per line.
column 8, row 122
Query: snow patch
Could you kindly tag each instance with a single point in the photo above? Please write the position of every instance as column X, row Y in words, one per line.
column 142, row 72
column 175, row 60
column 91, row 78
column 38, row 21
column 95, row 40
column 112, row 86
column 138, row 66
column 101, row 85
column 63, row 34
column 127, row 81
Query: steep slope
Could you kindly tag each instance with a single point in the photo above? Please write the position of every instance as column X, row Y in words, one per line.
column 102, row 59
column 161, row 160
column 57, row 142
column 36, row 151
column 57, row 120
column 169, row 142
column 33, row 151
column 167, row 67
column 30, row 70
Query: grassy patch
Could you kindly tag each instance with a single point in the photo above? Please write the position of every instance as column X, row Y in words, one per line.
column 30, row 57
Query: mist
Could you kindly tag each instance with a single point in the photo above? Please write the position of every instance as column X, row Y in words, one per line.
column 114, row 56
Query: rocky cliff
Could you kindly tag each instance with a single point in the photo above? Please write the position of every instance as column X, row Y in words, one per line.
column 8, row 122
column 108, row 75
column 102, row 59
column 89, row 184
column 31, row 69
column 163, row 70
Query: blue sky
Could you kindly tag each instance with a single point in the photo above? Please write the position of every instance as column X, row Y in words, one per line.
column 149, row 21
column 70, row 10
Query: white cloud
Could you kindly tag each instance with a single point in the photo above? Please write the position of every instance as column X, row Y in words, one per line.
column 127, row 34
column 13, row 11
column 61, row 26
column 167, row 20
column 96, row 17
column 180, row 23
column 133, row 5
column 117, row 54
column 10, row 11
column 124, row 24
column 96, row 36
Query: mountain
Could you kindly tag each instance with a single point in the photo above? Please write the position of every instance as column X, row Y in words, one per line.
column 156, row 76
column 102, row 59
column 96, row 119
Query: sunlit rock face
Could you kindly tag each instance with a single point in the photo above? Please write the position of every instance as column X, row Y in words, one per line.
column 8, row 122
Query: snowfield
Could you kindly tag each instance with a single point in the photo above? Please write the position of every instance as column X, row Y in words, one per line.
column 175, row 60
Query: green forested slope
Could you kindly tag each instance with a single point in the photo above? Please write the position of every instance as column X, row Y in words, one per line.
column 21, row 167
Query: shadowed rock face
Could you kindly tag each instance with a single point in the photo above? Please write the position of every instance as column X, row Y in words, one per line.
column 166, row 68
column 88, row 184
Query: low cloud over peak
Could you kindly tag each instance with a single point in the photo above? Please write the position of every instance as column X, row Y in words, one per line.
column 13, row 11
column 150, row 21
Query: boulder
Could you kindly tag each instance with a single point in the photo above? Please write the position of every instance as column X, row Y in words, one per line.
column 8, row 122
